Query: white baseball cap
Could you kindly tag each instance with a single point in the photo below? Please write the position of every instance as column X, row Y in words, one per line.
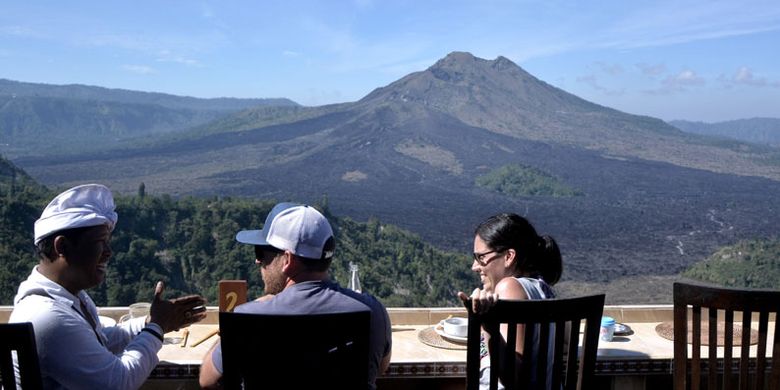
column 298, row 228
column 81, row 206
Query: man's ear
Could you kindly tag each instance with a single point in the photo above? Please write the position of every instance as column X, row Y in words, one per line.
column 61, row 246
column 288, row 262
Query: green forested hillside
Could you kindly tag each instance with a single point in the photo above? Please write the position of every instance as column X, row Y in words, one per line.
column 751, row 263
column 21, row 202
column 190, row 244
column 519, row 180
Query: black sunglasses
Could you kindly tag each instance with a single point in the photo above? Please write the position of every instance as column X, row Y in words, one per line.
column 266, row 253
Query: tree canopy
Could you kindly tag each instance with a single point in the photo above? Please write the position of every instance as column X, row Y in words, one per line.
column 190, row 244
column 748, row 263
column 520, row 180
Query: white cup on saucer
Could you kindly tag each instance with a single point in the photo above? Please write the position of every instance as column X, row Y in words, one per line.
column 455, row 326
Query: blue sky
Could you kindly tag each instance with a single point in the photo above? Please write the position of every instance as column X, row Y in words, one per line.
column 695, row 60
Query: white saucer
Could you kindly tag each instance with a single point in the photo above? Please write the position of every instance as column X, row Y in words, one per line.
column 107, row 322
column 622, row 330
column 453, row 338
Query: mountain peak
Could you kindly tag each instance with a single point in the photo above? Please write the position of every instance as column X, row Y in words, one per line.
column 456, row 57
column 464, row 85
column 464, row 60
column 457, row 75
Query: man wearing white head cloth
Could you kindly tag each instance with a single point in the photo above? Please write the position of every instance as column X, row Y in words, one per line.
column 75, row 351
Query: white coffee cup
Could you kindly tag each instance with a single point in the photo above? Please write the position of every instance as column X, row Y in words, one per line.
column 456, row 326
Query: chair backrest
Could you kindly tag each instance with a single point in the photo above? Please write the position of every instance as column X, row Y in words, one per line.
column 295, row 351
column 727, row 300
column 19, row 340
column 550, row 321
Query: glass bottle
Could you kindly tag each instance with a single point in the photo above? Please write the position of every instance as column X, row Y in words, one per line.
column 354, row 281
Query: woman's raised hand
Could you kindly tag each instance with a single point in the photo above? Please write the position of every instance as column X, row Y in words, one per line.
column 480, row 300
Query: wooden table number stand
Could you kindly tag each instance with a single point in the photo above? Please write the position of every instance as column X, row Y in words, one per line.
column 231, row 294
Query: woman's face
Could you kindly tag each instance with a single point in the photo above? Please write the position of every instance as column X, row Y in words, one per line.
column 489, row 264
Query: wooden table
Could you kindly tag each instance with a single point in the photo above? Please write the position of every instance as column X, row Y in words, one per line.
column 640, row 360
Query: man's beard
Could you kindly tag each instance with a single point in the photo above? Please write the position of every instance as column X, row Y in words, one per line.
column 274, row 281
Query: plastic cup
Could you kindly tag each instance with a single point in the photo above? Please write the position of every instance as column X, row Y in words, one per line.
column 136, row 310
column 139, row 309
column 607, row 330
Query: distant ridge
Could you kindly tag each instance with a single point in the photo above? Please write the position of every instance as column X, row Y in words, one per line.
column 38, row 119
column 86, row 92
column 762, row 131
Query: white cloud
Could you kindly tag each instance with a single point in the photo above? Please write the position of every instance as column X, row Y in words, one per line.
column 651, row 70
column 745, row 76
column 139, row 69
column 686, row 77
column 290, row 53
column 167, row 56
column 681, row 82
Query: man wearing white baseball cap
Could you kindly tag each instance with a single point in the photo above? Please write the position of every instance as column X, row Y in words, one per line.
column 294, row 250
column 75, row 350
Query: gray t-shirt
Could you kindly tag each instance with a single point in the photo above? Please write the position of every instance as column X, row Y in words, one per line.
column 325, row 297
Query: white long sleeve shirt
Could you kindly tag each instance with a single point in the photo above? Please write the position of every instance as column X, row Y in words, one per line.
column 72, row 354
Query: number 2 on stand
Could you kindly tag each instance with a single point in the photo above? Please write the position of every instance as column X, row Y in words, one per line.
column 231, row 298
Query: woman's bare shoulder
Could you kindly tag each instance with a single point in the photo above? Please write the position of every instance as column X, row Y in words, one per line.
column 510, row 288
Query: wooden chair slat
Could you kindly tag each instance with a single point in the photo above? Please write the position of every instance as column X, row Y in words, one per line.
column 572, row 373
column 712, row 348
column 696, row 349
column 728, row 339
column 560, row 332
column 744, row 352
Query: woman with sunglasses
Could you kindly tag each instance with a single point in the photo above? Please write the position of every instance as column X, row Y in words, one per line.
column 513, row 263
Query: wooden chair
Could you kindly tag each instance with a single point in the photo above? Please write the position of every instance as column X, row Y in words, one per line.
column 295, row 351
column 19, row 338
column 728, row 300
column 558, row 322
